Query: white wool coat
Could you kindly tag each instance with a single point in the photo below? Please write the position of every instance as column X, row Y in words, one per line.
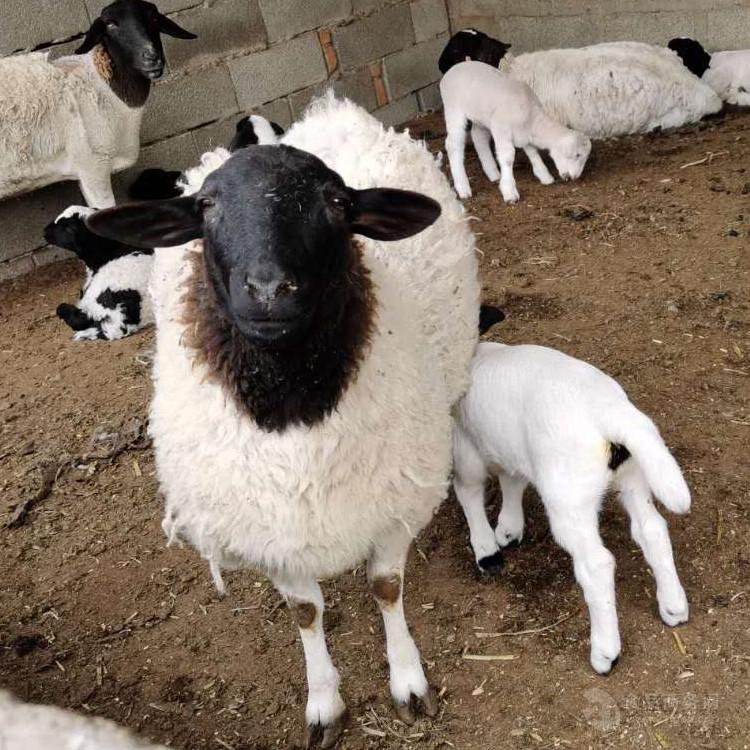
column 313, row 501
column 729, row 76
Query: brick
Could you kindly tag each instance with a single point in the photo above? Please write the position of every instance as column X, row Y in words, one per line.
column 414, row 68
column 429, row 18
column 222, row 27
column 51, row 254
column 10, row 269
column 728, row 29
column 377, row 74
column 377, row 35
column 27, row 23
column 289, row 66
column 429, row 98
column 287, row 18
column 399, row 112
column 182, row 103
column 355, row 86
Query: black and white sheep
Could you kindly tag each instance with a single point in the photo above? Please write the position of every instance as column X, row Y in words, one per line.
column 304, row 378
column 79, row 117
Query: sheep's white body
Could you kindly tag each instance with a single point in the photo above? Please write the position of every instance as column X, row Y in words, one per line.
column 60, row 120
column 729, row 76
column 535, row 415
column 614, row 88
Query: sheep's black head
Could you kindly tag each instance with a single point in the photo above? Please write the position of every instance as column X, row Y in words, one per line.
column 695, row 58
column 471, row 44
column 130, row 30
column 277, row 226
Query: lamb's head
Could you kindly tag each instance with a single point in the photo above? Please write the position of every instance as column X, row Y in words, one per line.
column 65, row 231
column 570, row 153
column 254, row 130
column 277, row 228
column 692, row 54
column 470, row 44
column 130, row 31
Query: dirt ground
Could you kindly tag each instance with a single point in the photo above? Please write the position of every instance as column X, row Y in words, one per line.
column 643, row 268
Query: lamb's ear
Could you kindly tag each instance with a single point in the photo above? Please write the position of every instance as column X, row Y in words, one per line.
column 386, row 214
column 93, row 36
column 491, row 51
column 163, row 223
column 170, row 28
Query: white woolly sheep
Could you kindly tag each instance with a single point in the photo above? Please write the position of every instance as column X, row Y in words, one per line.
column 603, row 90
column 533, row 415
column 25, row 726
column 114, row 300
column 79, row 117
column 507, row 110
column 304, row 380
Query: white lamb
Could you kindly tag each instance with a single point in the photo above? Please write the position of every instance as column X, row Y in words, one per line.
column 304, row 380
column 509, row 112
column 79, row 117
column 603, row 90
column 536, row 416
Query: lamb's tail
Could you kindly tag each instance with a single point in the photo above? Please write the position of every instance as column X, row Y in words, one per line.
column 155, row 184
column 627, row 426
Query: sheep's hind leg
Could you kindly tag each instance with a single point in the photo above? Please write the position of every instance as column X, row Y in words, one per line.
column 481, row 137
column 506, row 155
column 385, row 571
column 455, row 144
column 538, row 166
column 509, row 531
column 96, row 187
column 325, row 712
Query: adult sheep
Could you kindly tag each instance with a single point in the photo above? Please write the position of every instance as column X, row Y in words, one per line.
column 79, row 117
column 304, row 379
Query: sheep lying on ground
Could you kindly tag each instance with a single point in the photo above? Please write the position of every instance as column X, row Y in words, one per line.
column 312, row 371
column 603, row 90
column 114, row 299
column 79, row 117
column 24, row 726
column 727, row 73
column 507, row 110
column 153, row 184
column 536, row 416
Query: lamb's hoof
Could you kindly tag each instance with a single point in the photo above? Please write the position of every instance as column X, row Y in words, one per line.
column 603, row 665
column 324, row 736
column 428, row 703
column 491, row 564
column 674, row 610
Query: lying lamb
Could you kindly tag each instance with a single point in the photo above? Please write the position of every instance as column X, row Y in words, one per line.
column 79, row 117
column 313, row 372
column 535, row 415
column 603, row 90
column 727, row 73
column 114, row 300
column 496, row 105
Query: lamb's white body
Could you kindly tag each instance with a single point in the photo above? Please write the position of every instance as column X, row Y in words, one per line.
column 508, row 111
column 313, row 502
column 61, row 121
column 614, row 88
column 535, row 415
column 729, row 76
column 24, row 726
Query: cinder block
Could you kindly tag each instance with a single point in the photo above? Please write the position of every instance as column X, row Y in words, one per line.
column 186, row 102
column 375, row 36
column 362, row 7
column 356, row 86
column 728, row 29
column 564, row 31
column 429, row 18
column 429, row 98
column 414, row 68
column 399, row 112
column 94, row 7
column 286, row 67
column 277, row 112
column 51, row 254
column 287, row 18
column 651, row 28
column 222, row 27
column 28, row 23
column 10, row 269
column 216, row 134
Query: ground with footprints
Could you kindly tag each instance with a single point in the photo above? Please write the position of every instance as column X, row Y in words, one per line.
column 642, row 268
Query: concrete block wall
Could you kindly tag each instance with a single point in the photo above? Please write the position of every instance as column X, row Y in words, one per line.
column 265, row 56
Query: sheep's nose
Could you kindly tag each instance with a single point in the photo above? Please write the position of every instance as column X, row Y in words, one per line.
column 150, row 56
column 268, row 291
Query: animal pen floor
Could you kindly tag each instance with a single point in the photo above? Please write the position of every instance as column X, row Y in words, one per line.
column 643, row 268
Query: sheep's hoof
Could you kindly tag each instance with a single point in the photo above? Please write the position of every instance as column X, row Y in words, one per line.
column 428, row 703
column 603, row 665
column 324, row 736
column 491, row 564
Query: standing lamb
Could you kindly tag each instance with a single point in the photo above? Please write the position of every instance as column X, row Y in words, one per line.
column 79, row 117
column 536, row 416
column 304, row 378
column 603, row 90
column 507, row 110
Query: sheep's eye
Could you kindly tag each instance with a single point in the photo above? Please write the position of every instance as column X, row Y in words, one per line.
column 206, row 203
column 340, row 203
column 111, row 25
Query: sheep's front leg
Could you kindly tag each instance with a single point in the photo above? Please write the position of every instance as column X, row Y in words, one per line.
column 509, row 530
column 325, row 711
column 480, row 137
column 506, row 155
column 538, row 166
column 96, row 186
column 385, row 570
column 455, row 144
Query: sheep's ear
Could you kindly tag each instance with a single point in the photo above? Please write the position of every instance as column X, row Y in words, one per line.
column 170, row 28
column 164, row 223
column 93, row 36
column 491, row 51
column 386, row 214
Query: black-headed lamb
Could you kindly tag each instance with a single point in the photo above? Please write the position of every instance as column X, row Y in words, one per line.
column 603, row 90
column 313, row 335
column 79, row 117
column 533, row 415
column 114, row 300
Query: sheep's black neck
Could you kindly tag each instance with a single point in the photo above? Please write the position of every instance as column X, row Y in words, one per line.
column 291, row 385
column 127, row 84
